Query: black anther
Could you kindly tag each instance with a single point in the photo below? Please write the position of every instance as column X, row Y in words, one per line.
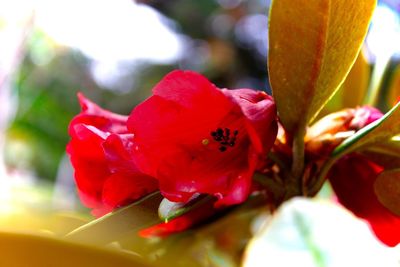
column 224, row 137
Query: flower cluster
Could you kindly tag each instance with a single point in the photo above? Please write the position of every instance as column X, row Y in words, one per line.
column 193, row 141
column 191, row 138
column 188, row 138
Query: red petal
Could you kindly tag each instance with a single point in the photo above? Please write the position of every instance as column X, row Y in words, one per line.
column 353, row 179
column 101, row 153
column 118, row 151
column 127, row 183
column 190, row 89
column 168, row 136
column 240, row 186
column 88, row 159
column 260, row 112
column 121, row 189
column 100, row 118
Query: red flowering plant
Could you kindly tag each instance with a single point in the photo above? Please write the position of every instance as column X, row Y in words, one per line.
column 207, row 149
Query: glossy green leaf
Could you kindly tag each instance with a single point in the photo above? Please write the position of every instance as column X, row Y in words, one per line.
column 379, row 131
column 316, row 233
column 312, row 46
column 387, row 189
column 124, row 221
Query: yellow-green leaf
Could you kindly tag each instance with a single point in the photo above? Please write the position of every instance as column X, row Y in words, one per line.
column 387, row 189
column 19, row 250
column 353, row 89
column 394, row 88
column 355, row 86
column 312, row 46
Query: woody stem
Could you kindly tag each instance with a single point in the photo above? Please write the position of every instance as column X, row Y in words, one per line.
column 295, row 183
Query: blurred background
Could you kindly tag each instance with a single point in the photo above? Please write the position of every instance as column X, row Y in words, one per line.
column 115, row 52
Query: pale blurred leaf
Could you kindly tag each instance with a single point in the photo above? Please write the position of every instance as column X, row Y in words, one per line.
column 316, row 233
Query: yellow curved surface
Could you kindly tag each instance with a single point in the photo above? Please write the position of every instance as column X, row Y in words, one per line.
column 312, row 46
column 20, row 250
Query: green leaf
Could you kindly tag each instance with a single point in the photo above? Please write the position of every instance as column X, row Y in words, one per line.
column 312, row 46
column 316, row 233
column 379, row 131
column 387, row 189
column 124, row 221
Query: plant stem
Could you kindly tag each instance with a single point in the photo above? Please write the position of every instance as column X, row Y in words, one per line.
column 298, row 154
column 321, row 177
column 295, row 182
column 275, row 158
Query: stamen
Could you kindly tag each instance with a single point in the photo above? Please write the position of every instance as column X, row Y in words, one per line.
column 224, row 137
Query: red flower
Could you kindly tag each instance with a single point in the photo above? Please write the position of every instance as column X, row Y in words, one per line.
column 196, row 138
column 101, row 153
column 353, row 179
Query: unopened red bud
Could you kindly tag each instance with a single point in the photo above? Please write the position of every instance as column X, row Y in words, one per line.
column 327, row 133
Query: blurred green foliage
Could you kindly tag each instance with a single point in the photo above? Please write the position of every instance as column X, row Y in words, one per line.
column 226, row 40
column 50, row 75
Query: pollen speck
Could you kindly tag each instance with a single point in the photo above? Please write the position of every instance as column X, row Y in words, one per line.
column 205, row 142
